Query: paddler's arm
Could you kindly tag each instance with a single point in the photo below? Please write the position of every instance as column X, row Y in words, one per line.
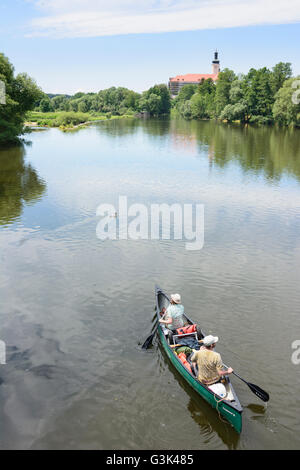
column 220, row 368
column 163, row 312
column 225, row 372
column 166, row 322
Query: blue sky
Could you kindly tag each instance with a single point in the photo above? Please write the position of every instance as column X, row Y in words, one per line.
column 72, row 45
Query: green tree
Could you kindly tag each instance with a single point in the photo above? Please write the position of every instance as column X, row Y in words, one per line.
column 77, row 95
column 281, row 73
column 83, row 106
column 46, row 105
column 60, row 102
column 286, row 111
column 196, row 101
column 224, row 82
column 198, row 106
column 236, row 93
column 237, row 109
column 185, row 109
column 21, row 96
column 156, row 100
column 153, row 104
column 207, row 87
column 186, row 92
column 73, row 105
column 258, row 92
column 234, row 112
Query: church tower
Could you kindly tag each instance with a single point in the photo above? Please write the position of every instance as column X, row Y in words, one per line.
column 216, row 64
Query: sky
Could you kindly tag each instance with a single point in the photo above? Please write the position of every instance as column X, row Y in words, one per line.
column 88, row 45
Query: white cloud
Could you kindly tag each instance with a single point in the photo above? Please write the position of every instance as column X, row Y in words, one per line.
column 88, row 18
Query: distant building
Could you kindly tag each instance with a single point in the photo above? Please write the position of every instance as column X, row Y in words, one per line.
column 176, row 83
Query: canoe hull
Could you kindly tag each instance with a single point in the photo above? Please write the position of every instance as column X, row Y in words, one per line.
column 230, row 413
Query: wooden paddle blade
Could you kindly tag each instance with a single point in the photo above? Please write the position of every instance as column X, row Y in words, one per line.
column 264, row 396
column 148, row 341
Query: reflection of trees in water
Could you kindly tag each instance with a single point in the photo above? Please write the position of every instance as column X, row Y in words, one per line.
column 268, row 150
column 123, row 127
column 19, row 184
column 118, row 127
column 157, row 127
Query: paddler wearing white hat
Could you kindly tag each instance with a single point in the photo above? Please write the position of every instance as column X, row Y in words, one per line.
column 210, row 365
column 174, row 314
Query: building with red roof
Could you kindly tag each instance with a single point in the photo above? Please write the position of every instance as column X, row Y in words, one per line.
column 176, row 83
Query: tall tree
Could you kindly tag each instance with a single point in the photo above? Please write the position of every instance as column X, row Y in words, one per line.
column 46, row 105
column 286, row 109
column 156, row 100
column 206, row 87
column 258, row 94
column 225, row 79
column 186, row 92
column 281, row 72
column 21, row 95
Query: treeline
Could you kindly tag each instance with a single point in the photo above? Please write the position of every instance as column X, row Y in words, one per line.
column 112, row 101
column 262, row 96
column 23, row 95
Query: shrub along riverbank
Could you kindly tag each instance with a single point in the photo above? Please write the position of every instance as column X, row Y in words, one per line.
column 66, row 120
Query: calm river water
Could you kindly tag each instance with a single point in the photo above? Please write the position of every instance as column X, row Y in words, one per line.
column 74, row 309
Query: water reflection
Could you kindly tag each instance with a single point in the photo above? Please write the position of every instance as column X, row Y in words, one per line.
column 19, row 184
column 259, row 409
column 267, row 150
column 118, row 127
column 122, row 127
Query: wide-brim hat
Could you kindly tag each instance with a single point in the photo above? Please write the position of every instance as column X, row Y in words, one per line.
column 176, row 298
column 209, row 340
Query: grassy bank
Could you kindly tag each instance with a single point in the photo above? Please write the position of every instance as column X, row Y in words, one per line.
column 67, row 120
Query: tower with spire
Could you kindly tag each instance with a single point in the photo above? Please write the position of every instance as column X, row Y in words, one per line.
column 176, row 83
column 216, row 64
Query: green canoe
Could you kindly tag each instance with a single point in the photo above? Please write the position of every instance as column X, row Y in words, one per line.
column 230, row 407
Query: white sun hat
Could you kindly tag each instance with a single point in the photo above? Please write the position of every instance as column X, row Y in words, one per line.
column 209, row 340
column 176, row 298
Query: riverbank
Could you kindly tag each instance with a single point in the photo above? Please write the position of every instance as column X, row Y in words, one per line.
column 255, row 121
column 67, row 121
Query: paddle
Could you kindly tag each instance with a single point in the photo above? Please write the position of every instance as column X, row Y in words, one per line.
column 149, row 340
column 259, row 392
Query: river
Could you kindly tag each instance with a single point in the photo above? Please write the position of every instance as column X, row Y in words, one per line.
column 75, row 309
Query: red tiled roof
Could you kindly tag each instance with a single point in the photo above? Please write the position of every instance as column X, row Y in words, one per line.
column 194, row 77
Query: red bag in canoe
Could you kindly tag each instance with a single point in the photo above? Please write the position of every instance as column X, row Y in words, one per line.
column 186, row 329
column 182, row 357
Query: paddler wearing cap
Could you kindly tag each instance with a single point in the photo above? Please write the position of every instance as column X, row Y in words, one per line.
column 210, row 366
column 173, row 317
